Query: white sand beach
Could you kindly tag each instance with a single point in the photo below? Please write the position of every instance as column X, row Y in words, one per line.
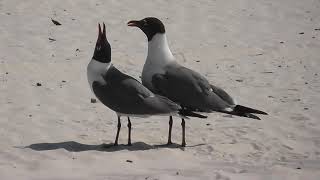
column 266, row 54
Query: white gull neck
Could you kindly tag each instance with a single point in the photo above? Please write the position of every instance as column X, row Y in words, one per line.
column 159, row 55
column 96, row 70
column 158, row 50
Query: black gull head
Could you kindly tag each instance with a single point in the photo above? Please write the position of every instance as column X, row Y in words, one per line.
column 102, row 51
column 150, row 26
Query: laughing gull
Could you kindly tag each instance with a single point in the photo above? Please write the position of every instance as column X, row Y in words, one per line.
column 192, row 91
column 122, row 93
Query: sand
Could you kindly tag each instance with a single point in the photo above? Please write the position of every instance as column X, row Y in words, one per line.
column 264, row 53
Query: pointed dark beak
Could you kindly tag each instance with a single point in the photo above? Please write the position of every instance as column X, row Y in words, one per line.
column 133, row 23
column 102, row 33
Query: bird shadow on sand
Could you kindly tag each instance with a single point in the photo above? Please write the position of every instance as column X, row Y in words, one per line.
column 73, row 146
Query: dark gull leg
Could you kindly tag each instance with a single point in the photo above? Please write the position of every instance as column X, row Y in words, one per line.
column 183, row 133
column 118, row 131
column 170, row 129
column 129, row 133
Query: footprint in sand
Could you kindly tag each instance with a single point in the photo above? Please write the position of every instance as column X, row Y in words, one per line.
column 210, row 149
column 219, row 176
column 256, row 147
column 83, row 136
column 299, row 118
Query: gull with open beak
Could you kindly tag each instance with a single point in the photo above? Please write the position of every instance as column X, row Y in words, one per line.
column 122, row 93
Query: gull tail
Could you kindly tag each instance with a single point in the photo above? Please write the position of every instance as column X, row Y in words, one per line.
column 239, row 108
column 188, row 113
column 243, row 111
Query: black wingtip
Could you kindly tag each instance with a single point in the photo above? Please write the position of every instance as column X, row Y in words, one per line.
column 243, row 111
column 188, row 113
column 239, row 108
column 248, row 115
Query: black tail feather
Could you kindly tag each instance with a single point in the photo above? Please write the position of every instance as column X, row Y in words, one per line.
column 248, row 115
column 243, row 109
column 185, row 112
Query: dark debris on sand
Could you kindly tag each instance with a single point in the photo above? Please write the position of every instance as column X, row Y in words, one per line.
column 93, row 100
column 55, row 22
column 51, row 39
